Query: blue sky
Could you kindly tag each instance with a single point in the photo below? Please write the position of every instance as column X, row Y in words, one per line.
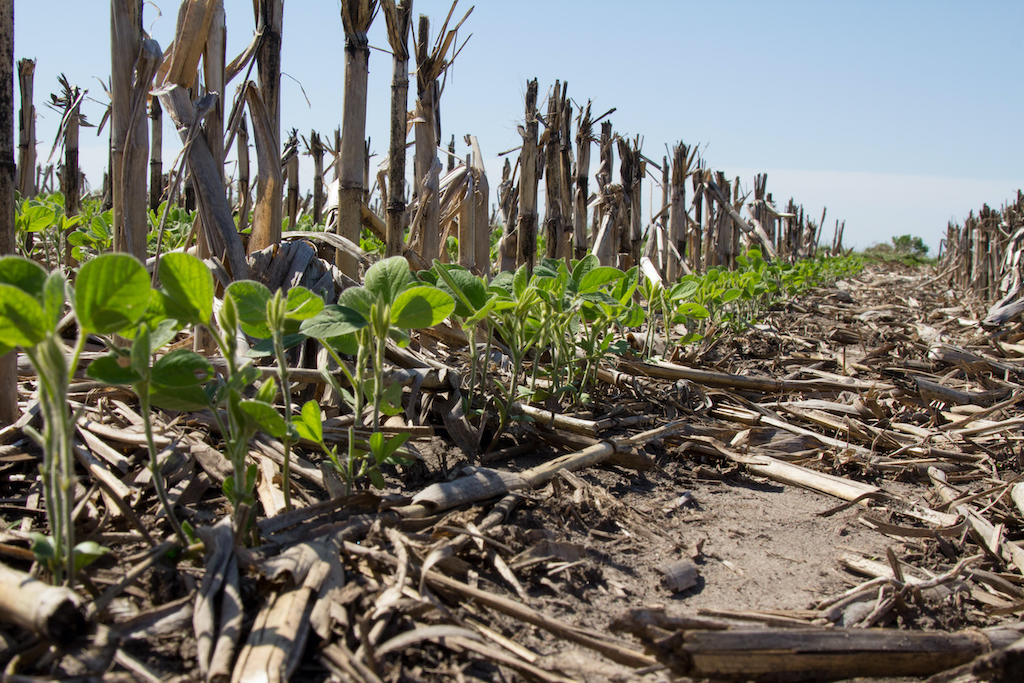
column 898, row 116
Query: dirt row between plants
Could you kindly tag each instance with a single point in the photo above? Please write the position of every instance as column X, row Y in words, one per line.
column 829, row 494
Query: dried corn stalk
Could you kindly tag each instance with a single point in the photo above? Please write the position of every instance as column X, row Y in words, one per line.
column 397, row 20
column 356, row 17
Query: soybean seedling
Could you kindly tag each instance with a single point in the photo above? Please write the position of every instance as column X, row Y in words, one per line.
column 389, row 304
column 112, row 295
column 276, row 318
column 174, row 381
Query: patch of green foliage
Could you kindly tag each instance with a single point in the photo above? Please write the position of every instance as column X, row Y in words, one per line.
column 906, row 249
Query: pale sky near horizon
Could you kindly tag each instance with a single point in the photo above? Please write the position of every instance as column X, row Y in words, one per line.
column 898, row 116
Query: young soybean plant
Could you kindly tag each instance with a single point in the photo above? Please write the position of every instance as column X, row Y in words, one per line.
column 389, row 304
column 112, row 295
column 276, row 318
column 175, row 380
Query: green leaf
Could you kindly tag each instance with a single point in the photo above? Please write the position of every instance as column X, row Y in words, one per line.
column 519, row 281
column 345, row 344
column 693, row 311
column 385, row 279
column 86, row 553
column 181, row 368
column 22, row 322
column 333, row 321
column 584, row 266
column 303, row 304
column 53, row 298
column 250, row 298
column 309, row 422
column 189, row 287
column 359, row 299
column 598, row 277
column 267, row 391
column 111, row 293
column 113, row 369
column 422, row 306
column 468, row 290
column 36, row 218
column 26, row 275
column 265, row 347
column 265, row 416
column 43, row 547
column 141, row 351
column 501, row 283
column 731, row 294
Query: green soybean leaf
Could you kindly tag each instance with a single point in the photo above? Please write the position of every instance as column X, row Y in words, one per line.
column 693, row 311
column 731, row 294
column 250, row 298
column 53, row 298
column 267, row 391
column 596, row 278
column 359, row 299
column 266, row 417
column 181, row 368
column 87, row 552
column 22, row 321
column 501, row 283
column 141, row 351
column 468, row 291
column 422, row 306
column 584, row 266
column 42, row 547
column 265, row 347
column 302, row 304
column 36, row 218
column 111, row 293
column 113, row 369
column 385, row 279
column 309, row 422
column 189, row 287
column 345, row 344
column 26, row 275
column 333, row 321
column 519, row 281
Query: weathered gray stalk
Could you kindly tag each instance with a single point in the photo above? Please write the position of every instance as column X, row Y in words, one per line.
column 291, row 172
column 481, row 209
column 584, row 136
column 267, row 211
column 427, row 168
column 26, row 130
column 244, row 192
column 8, row 362
column 356, row 16
column 70, row 177
column 397, row 19
column 266, row 228
column 156, row 164
column 529, row 162
column 553, row 215
column 132, row 69
column 316, row 150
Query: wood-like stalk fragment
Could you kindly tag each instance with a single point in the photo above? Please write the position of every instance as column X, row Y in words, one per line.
column 156, row 165
column 265, row 111
column 529, row 162
column 9, row 361
column 397, row 19
column 356, row 16
column 133, row 63
column 53, row 612
column 27, row 130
